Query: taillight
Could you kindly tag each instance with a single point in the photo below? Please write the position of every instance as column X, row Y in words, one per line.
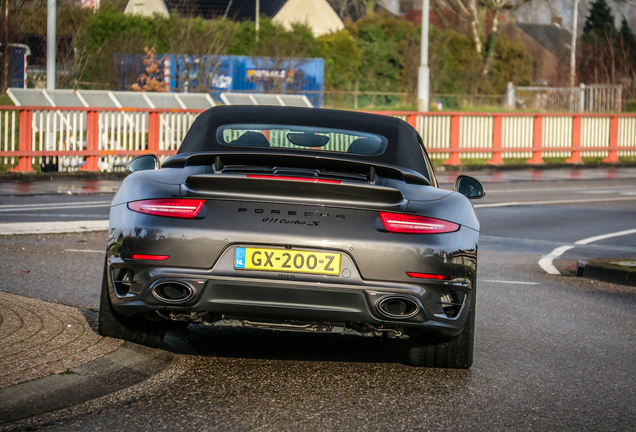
column 412, row 224
column 148, row 257
column 307, row 179
column 180, row 208
column 428, row 276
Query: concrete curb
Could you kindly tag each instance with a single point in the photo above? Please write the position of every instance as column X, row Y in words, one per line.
column 618, row 271
column 120, row 369
column 50, row 358
column 48, row 176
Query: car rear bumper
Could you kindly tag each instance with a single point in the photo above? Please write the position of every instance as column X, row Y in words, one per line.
column 211, row 299
column 374, row 267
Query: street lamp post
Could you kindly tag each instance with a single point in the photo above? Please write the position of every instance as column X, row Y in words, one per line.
column 50, row 44
column 256, row 18
column 575, row 16
column 423, row 77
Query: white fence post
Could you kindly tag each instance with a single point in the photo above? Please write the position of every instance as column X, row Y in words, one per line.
column 582, row 98
column 510, row 93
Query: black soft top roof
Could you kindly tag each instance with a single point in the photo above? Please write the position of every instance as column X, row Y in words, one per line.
column 404, row 148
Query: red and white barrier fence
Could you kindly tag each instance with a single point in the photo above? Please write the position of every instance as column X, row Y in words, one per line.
column 88, row 139
column 104, row 139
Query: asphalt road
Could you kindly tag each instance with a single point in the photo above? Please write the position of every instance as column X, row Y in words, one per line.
column 553, row 352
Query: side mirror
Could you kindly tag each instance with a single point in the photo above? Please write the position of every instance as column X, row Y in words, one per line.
column 143, row 163
column 469, row 187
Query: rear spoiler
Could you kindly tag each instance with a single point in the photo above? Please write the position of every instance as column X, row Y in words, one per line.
column 242, row 188
column 371, row 170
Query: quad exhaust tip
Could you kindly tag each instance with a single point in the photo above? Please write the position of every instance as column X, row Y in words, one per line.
column 398, row 307
column 173, row 291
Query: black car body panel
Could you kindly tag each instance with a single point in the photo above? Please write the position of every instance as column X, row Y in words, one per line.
column 305, row 207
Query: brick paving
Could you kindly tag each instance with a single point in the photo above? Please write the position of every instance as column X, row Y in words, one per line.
column 38, row 339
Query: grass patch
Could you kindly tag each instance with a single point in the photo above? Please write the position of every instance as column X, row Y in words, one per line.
column 396, row 107
column 6, row 100
column 5, row 167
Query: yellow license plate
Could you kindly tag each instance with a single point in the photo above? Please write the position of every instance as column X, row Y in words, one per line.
column 286, row 260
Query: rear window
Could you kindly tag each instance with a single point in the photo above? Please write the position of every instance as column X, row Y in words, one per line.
column 301, row 138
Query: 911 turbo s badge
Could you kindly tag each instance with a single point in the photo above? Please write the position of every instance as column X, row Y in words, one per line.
column 284, row 221
column 287, row 261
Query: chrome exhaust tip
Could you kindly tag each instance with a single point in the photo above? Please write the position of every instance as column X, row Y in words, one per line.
column 173, row 291
column 398, row 307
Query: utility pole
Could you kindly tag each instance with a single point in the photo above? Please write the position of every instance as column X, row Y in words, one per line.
column 575, row 16
column 258, row 12
column 423, row 76
column 50, row 44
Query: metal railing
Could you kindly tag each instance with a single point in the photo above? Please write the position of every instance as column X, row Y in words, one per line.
column 106, row 139
column 88, row 139
column 496, row 136
column 591, row 98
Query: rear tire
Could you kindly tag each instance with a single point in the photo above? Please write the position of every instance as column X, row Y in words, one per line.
column 455, row 353
column 134, row 328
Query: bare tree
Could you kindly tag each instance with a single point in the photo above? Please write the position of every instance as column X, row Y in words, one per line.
column 203, row 42
column 354, row 9
column 4, row 82
column 482, row 19
column 369, row 6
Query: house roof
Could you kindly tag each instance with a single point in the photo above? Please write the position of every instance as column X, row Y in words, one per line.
column 209, row 9
column 318, row 14
column 551, row 37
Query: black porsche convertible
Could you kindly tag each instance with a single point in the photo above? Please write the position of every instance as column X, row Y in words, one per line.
column 297, row 219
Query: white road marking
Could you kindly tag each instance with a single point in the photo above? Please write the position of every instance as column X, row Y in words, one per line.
column 52, row 227
column 14, row 208
column 508, row 282
column 84, row 250
column 547, row 202
column 546, row 261
column 555, row 189
column 604, row 236
column 607, row 191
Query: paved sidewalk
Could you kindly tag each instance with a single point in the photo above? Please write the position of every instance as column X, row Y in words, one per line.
column 39, row 339
column 51, row 358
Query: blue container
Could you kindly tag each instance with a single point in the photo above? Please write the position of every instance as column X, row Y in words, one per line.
column 218, row 74
column 17, row 65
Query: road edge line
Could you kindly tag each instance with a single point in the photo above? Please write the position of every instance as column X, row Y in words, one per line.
column 546, row 261
column 20, row 228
